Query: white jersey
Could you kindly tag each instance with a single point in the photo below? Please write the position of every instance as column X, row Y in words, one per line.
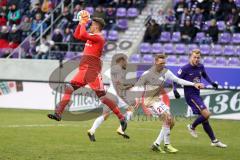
column 152, row 83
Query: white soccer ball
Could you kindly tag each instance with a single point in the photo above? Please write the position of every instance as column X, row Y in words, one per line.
column 78, row 16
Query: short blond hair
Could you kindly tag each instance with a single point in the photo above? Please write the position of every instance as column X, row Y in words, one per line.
column 195, row 51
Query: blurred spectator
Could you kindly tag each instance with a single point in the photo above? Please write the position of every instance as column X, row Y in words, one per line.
column 152, row 32
column 14, row 16
column 185, row 16
column 66, row 18
column 170, row 21
column 216, row 10
column 4, row 37
column 213, row 31
column 36, row 10
column 3, row 19
column 228, row 6
column 99, row 12
column 159, row 17
column 187, row 32
column 46, row 6
column 179, row 8
column 197, row 20
column 192, row 5
column 43, row 49
column 76, row 9
column 232, row 20
column 122, row 4
column 3, row 3
column 25, row 26
column 37, row 23
column 14, row 37
column 111, row 18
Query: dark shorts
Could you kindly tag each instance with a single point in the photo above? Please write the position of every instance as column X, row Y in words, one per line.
column 196, row 104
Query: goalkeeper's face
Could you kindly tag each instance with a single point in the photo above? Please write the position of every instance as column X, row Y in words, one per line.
column 160, row 63
column 94, row 27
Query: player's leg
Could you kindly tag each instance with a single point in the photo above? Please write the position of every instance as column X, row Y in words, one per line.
column 76, row 83
column 97, row 124
column 97, row 86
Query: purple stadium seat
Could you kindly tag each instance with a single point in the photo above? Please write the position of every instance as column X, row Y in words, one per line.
column 200, row 37
column 221, row 25
column 168, row 48
column 206, row 25
column 209, row 61
column 121, row 12
column 135, row 58
column 229, row 50
column 176, row 37
column 216, row 49
column 70, row 55
column 180, row 48
column 90, row 10
column 132, row 12
column 224, row 38
column 237, row 3
column 238, row 51
column 236, row 38
column 191, row 47
column 234, row 61
column 145, row 48
column 122, row 24
column 165, row 37
column 104, row 32
column 171, row 59
column 205, row 49
column 112, row 35
column 183, row 59
column 221, row 61
column 157, row 48
column 147, row 58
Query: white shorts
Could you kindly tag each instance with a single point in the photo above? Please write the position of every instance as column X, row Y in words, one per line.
column 158, row 108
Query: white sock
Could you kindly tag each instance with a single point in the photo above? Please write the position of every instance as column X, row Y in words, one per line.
column 128, row 115
column 160, row 137
column 166, row 132
column 97, row 123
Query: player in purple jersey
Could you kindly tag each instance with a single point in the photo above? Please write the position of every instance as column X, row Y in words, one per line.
column 193, row 71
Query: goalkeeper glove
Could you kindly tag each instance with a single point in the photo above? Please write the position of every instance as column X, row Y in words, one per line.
column 85, row 17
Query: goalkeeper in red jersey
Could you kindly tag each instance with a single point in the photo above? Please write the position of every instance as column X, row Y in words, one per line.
column 90, row 68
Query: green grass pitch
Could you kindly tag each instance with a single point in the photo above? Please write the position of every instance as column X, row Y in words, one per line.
column 30, row 135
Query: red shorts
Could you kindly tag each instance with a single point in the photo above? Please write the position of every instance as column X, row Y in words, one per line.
column 88, row 76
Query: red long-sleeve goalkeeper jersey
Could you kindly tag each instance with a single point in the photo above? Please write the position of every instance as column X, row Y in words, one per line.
column 93, row 48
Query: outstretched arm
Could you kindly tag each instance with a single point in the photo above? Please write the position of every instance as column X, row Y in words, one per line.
column 85, row 35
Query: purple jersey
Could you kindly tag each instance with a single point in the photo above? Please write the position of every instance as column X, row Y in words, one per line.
column 192, row 74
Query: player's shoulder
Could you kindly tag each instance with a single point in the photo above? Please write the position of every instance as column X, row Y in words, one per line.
column 200, row 65
column 115, row 68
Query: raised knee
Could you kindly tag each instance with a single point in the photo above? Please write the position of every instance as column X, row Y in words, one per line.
column 69, row 88
column 100, row 93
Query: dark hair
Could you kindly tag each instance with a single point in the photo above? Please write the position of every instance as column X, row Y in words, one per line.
column 100, row 22
column 160, row 56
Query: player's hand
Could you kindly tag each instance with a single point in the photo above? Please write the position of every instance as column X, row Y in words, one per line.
column 199, row 85
column 215, row 85
column 85, row 17
column 176, row 94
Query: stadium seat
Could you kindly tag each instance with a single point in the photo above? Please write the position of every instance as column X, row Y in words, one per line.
column 183, row 59
column 145, row 48
column 122, row 24
column 176, row 37
column 221, row 25
column 147, row 58
column 132, row 13
column 236, row 38
column 180, row 48
column 221, row 61
column 205, row 49
column 135, row 58
column 224, row 38
column 234, row 61
column 168, row 48
column 192, row 47
column 206, row 25
column 209, row 60
column 238, row 51
column 216, row 49
column 165, row 37
column 200, row 36
column 157, row 48
column 121, row 12
column 229, row 50
column 104, row 32
column 90, row 10
column 70, row 55
column 112, row 35
column 172, row 59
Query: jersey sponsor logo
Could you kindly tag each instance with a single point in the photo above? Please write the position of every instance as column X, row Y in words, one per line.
column 89, row 45
column 179, row 71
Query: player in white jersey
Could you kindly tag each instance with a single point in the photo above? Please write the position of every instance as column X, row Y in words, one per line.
column 149, row 86
column 117, row 91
